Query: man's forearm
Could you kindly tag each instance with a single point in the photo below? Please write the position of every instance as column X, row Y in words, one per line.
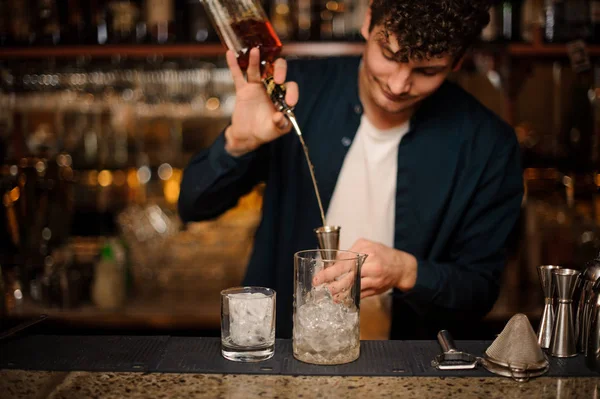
column 214, row 181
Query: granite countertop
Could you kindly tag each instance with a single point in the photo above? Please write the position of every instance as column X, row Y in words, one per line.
column 17, row 384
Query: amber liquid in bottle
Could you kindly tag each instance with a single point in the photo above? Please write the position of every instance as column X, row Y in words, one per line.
column 260, row 34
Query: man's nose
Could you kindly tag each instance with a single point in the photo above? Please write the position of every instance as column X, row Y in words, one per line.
column 400, row 81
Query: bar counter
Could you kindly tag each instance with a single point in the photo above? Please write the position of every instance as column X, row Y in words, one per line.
column 17, row 384
column 57, row 366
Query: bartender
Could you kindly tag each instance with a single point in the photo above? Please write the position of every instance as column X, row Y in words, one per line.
column 419, row 175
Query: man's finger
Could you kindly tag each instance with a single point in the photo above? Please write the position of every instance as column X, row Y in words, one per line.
column 281, row 122
column 234, row 68
column 368, row 283
column 365, row 270
column 279, row 71
column 253, row 71
column 291, row 93
column 367, row 293
column 330, row 273
column 344, row 284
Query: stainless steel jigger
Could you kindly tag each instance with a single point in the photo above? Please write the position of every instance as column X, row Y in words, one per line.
column 563, row 336
column 544, row 333
column 329, row 238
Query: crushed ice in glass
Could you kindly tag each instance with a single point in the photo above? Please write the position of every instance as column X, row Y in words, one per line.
column 251, row 319
column 326, row 328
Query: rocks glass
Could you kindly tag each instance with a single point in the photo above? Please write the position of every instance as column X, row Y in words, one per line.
column 248, row 323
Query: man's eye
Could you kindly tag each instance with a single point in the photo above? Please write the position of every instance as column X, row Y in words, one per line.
column 427, row 72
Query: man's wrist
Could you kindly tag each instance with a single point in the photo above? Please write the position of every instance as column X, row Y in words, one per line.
column 408, row 277
column 234, row 147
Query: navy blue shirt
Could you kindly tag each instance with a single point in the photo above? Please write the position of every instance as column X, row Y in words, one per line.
column 458, row 195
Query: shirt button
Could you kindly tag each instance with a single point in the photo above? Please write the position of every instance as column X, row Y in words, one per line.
column 346, row 141
column 358, row 109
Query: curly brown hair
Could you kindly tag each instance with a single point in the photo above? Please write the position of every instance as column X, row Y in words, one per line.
column 427, row 29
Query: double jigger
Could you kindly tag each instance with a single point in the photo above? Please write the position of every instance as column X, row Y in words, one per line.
column 329, row 240
column 557, row 331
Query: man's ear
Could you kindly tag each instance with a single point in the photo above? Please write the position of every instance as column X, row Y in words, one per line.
column 458, row 64
column 364, row 30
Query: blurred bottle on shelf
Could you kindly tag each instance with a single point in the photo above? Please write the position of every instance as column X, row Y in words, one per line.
column 48, row 29
column 578, row 19
column 566, row 20
column 195, row 18
column 123, row 21
column 595, row 100
column 505, row 22
column 20, row 24
column 595, row 21
column 304, row 22
column 578, row 130
column 160, row 21
column 532, row 21
column 333, row 20
column 510, row 11
column 72, row 22
column 281, row 19
column 555, row 29
column 4, row 23
column 95, row 21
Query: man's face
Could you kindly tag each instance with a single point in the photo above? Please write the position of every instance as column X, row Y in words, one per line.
column 396, row 87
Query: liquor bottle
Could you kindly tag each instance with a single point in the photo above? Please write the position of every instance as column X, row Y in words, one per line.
column 577, row 16
column 555, row 26
column 160, row 18
column 305, row 29
column 338, row 10
column 257, row 33
column 595, row 21
column 578, row 130
column 532, row 20
column 123, row 18
column 325, row 18
column 47, row 23
column 20, row 23
column 354, row 18
column 95, row 21
column 510, row 13
column 200, row 29
column 71, row 21
column 4, row 25
column 505, row 22
column 281, row 19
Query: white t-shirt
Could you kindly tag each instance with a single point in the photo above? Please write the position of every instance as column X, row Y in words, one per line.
column 364, row 205
column 364, row 199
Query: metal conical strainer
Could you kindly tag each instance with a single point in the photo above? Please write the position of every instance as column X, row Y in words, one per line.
column 516, row 352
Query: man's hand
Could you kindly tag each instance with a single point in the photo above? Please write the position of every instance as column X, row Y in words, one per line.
column 383, row 269
column 254, row 120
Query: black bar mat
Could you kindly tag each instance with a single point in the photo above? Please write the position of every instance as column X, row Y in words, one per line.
column 203, row 355
column 193, row 355
column 82, row 353
column 571, row 367
column 421, row 353
column 377, row 358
